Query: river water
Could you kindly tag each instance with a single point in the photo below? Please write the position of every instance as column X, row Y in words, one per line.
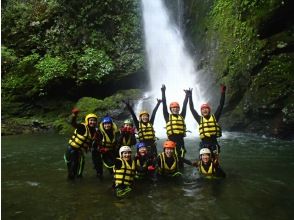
column 259, row 184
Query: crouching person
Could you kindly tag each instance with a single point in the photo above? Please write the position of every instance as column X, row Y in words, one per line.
column 124, row 172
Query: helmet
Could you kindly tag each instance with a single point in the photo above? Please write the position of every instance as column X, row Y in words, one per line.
column 88, row 116
column 174, row 105
column 205, row 151
column 169, row 144
column 128, row 121
column 140, row 145
column 143, row 113
column 124, row 149
column 106, row 119
column 205, row 105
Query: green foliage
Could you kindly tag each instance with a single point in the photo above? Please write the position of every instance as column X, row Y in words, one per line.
column 94, row 65
column 8, row 59
column 50, row 68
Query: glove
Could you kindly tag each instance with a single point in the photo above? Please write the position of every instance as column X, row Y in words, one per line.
column 223, row 88
column 151, row 168
column 188, row 92
column 195, row 164
column 75, row 111
column 163, row 88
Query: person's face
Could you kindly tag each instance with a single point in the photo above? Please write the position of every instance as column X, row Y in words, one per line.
column 126, row 155
column 205, row 111
column 145, row 118
column 142, row 151
column 128, row 126
column 169, row 152
column 175, row 110
column 107, row 126
column 205, row 158
column 92, row 122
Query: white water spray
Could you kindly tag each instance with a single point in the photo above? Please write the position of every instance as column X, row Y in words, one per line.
column 168, row 63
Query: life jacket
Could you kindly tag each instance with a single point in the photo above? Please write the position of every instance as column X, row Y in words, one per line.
column 106, row 141
column 211, row 169
column 176, row 125
column 146, row 131
column 164, row 169
column 141, row 169
column 126, row 141
column 125, row 175
column 209, row 127
column 78, row 140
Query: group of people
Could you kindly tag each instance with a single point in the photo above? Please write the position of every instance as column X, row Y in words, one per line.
column 113, row 147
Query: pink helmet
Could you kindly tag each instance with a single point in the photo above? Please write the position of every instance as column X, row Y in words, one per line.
column 205, row 105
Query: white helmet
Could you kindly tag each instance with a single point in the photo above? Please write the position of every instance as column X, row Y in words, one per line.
column 124, row 149
column 205, row 151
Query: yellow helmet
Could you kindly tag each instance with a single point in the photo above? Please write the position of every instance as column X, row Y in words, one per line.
column 143, row 113
column 88, row 116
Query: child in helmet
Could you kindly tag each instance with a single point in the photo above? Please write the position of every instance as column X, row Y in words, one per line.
column 168, row 161
column 105, row 151
column 127, row 134
column 209, row 129
column 144, row 161
column 175, row 123
column 208, row 166
column 124, row 172
column 80, row 141
column 144, row 126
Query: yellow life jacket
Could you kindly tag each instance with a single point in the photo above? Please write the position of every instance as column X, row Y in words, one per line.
column 141, row 169
column 210, row 172
column 176, row 125
column 146, row 131
column 126, row 142
column 125, row 175
column 209, row 127
column 164, row 168
column 106, row 142
column 78, row 140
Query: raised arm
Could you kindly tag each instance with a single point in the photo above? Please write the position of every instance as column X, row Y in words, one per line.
column 164, row 106
column 219, row 109
column 184, row 108
column 154, row 111
column 130, row 109
column 191, row 104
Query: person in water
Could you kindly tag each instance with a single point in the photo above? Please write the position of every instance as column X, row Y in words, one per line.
column 208, row 166
column 209, row 129
column 168, row 161
column 80, row 142
column 105, row 150
column 144, row 162
column 124, row 172
column 175, row 123
column 144, row 126
column 127, row 134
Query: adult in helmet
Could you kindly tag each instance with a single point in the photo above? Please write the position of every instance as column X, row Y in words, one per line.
column 106, row 149
column 168, row 161
column 207, row 165
column 127, row 134
column 124, row 172
column 209, row 129
column 80, row 142
column 144, row 126
column 144, row 161
column 175, row 123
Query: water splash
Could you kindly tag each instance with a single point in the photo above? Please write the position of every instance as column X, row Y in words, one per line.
column 168, row 63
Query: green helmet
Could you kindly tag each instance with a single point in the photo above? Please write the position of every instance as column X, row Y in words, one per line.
column 128, row 121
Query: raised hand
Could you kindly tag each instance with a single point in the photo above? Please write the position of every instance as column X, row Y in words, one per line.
column 75, row 111
column 223, row 88
column 163, row 88
column 188, row 92
column 159, row 100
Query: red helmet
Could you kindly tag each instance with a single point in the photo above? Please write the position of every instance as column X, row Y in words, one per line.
column 205, row 105
column 174, row 105
column 169, row 144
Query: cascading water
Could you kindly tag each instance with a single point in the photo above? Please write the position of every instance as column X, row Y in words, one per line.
column 168, row 63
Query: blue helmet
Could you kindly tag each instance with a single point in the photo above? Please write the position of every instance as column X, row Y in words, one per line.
column 106, row 119
column 140, row 144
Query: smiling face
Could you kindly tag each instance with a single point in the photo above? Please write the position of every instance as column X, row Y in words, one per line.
column 205, row 158
column 205, row 112
column 126, row 155
column 92, row 122
column 175, row 110
column 145, row 118
column 169, row 152
column 142, row 151
column 107, row 126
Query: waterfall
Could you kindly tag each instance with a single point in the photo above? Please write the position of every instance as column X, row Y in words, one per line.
column 168, row 63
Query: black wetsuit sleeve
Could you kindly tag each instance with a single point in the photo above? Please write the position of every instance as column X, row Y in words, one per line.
column 73, row 121
column 81, row 129
column 193, row 111
column 136, row 122
column 164, row 107
column 218, row 112
column 184, row 109
column 117, row 164
column 186, row 161
column 154, row 113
